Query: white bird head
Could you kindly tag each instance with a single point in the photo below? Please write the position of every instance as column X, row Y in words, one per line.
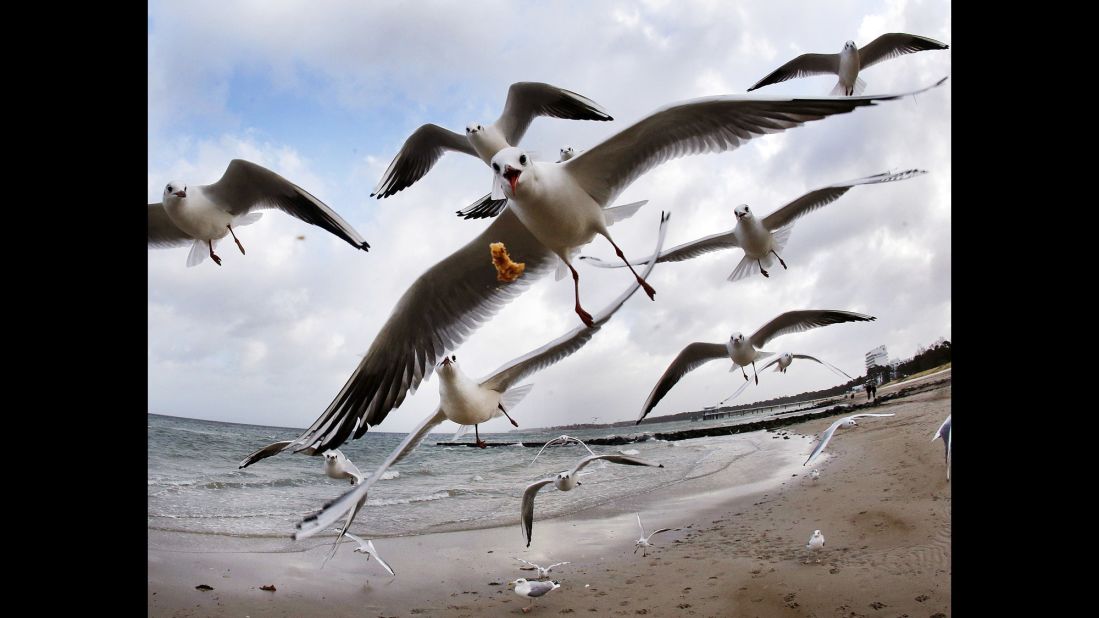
column 175, row 189
column 850, row 423
column 817, row 534
column 332, row 456
column 743, row 212
column 737, row 339
column 448, row 364
column 513, row 170
column 786, row 358
column 567, row 153
column 473, row 128
column 849, row 45
column 565, row 481
column 521, row 580
column 815, row 473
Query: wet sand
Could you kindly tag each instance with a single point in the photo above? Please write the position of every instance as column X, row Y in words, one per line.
column 882, row 503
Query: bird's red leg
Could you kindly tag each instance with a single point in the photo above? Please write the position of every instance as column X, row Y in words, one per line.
column 644, row 284
column 761, row 269
column 477, row 434
column 213, row 255
column 780, row 261
column 239, row 246
column 584, row 315
column 744, row 373
column 501, row 406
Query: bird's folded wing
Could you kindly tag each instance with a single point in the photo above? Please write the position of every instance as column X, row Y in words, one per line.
column 711, row 124
column 895, row 44
column 162, row 232
column 692, row 356
column 826, row 195
column 806, row 319
column 537, row 589
column 440, row 309
column 529, row 99
column 572, row 341
column 417, row 156
column 245, row 186
column 802, row 66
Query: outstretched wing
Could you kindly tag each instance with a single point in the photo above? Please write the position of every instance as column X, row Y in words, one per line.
column 824, row 438
column 692, row 356
column 711, row 124
column 526, row 512
column 895, row 44
column 816, row 360
column 686, row 251
column 529, row 99
column 798, row 321
column 162, row 232
column 802, row 66
column 245, row 186
column 826, row 195
column 618, row 459
column 484, row 208
column 417, row 156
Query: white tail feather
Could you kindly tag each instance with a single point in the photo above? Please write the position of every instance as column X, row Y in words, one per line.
column 199, row 251
column 511, row 397
column 620, row 213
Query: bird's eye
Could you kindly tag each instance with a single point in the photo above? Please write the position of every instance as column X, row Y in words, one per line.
column 522, row 159
column 496, row 166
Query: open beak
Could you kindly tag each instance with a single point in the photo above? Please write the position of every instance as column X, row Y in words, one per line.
column 180, row 194
column 446, row 361
column 512, row 176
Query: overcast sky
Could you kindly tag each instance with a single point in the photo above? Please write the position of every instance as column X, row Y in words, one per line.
column 325, row 94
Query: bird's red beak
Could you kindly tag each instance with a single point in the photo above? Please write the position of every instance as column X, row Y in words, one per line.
column 180, row 193
column 512, row 176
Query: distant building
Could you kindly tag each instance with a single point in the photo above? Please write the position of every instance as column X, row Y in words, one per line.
column 876, row 357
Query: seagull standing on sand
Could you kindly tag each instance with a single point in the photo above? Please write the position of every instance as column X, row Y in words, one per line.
column 470, row 402
column 850, row 61
column 644, row 542
column 565, row 481
column 562, row 204
column 764, row 237
column 202, row 215
column 526, row 100
column 847, row 421
column 744, row 351
column 944, row 432
column 532, row 590
column 816, row 542
column 543, row 572
column 367, row 547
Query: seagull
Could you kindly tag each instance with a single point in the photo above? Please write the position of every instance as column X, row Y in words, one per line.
column 560, row 441
column 765, row 237
column 944, row 433
column 562, row 204
column 367, row 547
column 566, row 481
column 567, row 153
column 814, row 473
column 816, row 542
column 644, row 543
column 531, row 590
column 847, row 421
column 201, row 215
column 850, row 61
column 543, row 572
column 525, row 101
column 466, row 401
column 784, row 360
column 744, row 351
column 338, row 466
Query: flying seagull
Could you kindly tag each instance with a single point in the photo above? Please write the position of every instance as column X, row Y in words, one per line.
column 560, row 441
column 944, row 432
column 525, row 101
column 470, row 402
column 566, row 481
column 367, row 547
column 543, row 572
column 338, row 466
column 783, row 361
column 847, row 421
column 532, row 590
column 644, row 542
column 762, row 238
column 744, row 351
column 848, row 63
column 562, row 204
column 203, row 214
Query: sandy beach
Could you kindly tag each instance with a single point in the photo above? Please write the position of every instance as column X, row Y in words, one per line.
column 882, row 503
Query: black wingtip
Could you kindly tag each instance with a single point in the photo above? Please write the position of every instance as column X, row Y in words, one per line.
column 661, row 466
column 365, row 246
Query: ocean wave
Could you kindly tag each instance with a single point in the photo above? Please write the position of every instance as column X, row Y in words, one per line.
column 251, row 484
column 439, row 495
column 390, row 474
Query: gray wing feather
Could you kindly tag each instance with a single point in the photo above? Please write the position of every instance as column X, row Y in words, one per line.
column 798, row 321
column 538, row 589
column 686, row 251
column 711, row 124
column 529, row 99
column 162, row 232
column 816, row 360
column 526, row 514
column 895, row 44
column 484, row 208
column 824, row 438
column 569, row 343
column 246, row 186
column 265, row 452
column 692, row 356
column 802, row 66
column 826, row 195
column 618, row 459
column 374, row 552
column 444, row 305
column 418, row 155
